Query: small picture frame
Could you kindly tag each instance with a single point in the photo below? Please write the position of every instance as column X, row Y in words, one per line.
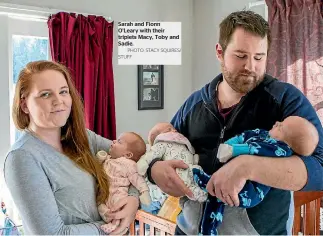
column 150, row 87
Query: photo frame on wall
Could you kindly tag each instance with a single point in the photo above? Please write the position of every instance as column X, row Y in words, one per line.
column 150, row 87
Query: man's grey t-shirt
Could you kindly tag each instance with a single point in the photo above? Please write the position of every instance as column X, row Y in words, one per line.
column 53, row 195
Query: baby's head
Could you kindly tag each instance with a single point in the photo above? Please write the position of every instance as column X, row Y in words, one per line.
column 159, row 128
column 300, row 134
column 129, row 145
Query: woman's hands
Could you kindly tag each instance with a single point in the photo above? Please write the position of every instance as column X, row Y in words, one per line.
column 125, row 210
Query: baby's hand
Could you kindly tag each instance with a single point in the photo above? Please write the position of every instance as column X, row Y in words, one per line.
column 145, row 198
column 224, row 152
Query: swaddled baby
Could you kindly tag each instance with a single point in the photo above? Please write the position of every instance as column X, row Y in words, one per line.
column 167, row 144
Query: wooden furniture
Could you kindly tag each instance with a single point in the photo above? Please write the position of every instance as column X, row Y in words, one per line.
column 156, row 223
column 307, row 213
column 306, row 219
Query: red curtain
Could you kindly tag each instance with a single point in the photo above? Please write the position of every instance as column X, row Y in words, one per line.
column 85, row 46
column 296, row 53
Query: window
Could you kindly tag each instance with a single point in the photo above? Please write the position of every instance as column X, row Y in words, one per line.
column 28, row 42
column 24, row 50
column 24, row 39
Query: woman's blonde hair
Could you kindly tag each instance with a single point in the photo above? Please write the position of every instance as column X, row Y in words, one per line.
column 73, row 135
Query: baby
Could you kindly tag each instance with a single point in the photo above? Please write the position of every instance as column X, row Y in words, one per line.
column 121, row 168
column 294, row 132
column 167, row 144
column 294, row 135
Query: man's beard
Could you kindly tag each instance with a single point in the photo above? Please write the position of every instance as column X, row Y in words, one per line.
column 243, row 82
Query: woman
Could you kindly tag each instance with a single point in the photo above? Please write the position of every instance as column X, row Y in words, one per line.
column 51, row 173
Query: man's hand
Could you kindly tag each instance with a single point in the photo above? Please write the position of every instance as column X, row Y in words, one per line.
column 165, row 176
column 228, row 181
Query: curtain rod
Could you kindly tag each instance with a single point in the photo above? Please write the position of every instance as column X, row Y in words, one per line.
column 38, row 11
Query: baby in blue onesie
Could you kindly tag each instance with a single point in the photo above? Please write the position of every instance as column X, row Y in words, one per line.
column 294, row 135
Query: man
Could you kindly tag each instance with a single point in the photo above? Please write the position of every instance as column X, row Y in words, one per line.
column 242, row 97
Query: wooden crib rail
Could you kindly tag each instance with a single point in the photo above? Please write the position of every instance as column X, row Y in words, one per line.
column 165, row 227
column 307, row 213
column 306, row 219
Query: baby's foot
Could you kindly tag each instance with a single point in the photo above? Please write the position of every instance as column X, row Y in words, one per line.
column 108, row 228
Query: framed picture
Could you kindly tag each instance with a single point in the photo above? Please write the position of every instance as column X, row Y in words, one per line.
column 150, row 87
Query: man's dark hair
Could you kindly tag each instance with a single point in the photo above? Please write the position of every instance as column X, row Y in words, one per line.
column 249, row 21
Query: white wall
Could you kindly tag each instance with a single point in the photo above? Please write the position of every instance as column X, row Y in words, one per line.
column 208, row 14
column 178, row 82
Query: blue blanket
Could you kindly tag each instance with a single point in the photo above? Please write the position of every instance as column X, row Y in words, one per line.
column 252, row 142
